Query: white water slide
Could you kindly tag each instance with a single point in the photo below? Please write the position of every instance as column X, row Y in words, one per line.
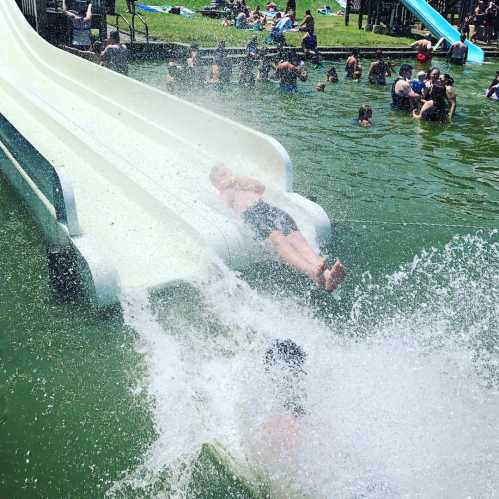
column 119, row 172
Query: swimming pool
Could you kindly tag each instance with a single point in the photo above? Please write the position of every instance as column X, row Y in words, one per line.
column 400, row 362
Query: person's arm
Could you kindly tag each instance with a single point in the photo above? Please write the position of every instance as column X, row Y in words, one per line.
column 415, row 44
column 371, row 67
column 427, row 105
column 491, row 91
column 452, row 100
column 88, row 16
column 248, row 184
column 388, row 69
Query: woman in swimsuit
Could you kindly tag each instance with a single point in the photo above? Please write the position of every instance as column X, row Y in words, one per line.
column 379, row 70
column 245, row 196
column 435, row 107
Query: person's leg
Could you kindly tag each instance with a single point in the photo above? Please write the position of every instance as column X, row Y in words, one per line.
column 334, row 276
column 304, row 249
column 292, row 257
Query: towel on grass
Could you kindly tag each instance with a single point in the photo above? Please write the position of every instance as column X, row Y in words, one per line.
column 163, row 9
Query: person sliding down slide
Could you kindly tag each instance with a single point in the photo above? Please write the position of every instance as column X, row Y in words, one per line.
column 245, row 196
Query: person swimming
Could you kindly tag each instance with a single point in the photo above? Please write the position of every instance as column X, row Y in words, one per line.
column 284, row 362
column 332, row 75
column 365, row 115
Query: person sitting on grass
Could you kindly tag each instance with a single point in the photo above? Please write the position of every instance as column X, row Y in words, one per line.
column 365, row 115
column 309, row 44
column 115, row 55
column 308, row 23
column 245, row 196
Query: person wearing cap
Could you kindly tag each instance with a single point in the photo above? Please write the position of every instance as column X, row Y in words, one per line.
column 419, row 84
column 458, row 52
column 403, row 96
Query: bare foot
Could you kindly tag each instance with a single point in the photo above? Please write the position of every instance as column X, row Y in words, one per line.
column 334, row 276
column 318, row 274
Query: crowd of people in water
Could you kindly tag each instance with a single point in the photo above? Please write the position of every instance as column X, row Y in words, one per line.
column 427, row 95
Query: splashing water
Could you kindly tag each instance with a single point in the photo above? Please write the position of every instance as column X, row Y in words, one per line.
column 402, row 395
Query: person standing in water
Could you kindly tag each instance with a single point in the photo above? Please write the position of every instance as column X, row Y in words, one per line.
column 269, row 223
column 353, row 64
column 450, row 93
column 458, row 52
column 81, row 22
column 379, row 70
column 288, row 72
column 403, row 96
column 435, row 107
column 115, row 55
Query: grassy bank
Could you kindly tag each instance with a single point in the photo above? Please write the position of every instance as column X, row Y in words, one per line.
column 331, row 31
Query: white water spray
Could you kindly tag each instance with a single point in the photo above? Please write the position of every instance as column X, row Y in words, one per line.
column 403, row 403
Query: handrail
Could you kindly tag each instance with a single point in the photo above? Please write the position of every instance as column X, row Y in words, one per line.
column 130, row 28
column 136, row 14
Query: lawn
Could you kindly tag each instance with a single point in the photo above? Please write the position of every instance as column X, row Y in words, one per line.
column 331, row 31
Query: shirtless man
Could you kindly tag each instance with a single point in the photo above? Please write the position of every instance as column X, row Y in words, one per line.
column 245, row 196
column 288, row 73
column 424, row 48
column 403, row 96
column 353, row 64
column 458, row 52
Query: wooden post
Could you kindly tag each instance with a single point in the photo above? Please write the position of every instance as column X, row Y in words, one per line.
column 41, row 17
column 361, row 12
column 347, row 11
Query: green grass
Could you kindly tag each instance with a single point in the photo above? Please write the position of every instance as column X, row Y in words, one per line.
column 331, row 31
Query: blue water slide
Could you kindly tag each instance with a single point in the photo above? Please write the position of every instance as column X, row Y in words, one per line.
column 440, row 27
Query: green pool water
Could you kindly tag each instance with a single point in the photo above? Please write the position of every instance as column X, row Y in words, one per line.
column 94, row 402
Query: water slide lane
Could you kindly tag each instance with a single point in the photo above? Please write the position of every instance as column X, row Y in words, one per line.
column 138, row 160
column 439, row 26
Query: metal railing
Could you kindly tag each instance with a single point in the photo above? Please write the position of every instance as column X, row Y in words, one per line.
column 141, row 18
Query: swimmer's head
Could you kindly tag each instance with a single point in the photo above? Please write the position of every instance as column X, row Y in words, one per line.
column 365, row 112
column 284, row 362
column 434, row 73
column 285, row 354
column 219, row 175
column 448, row 80
column 320, row 87
column 421, row 76
column 405, row 70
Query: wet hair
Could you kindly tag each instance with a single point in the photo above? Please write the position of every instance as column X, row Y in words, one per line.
column 379, row 54
column 290, row 358
column 194, row 46
column 450, row 80
column 307, row 12
column 433, row 69
column 115, row 36
column 404, row 68
column 285, row 352
column 355, row 52
column 365, row 112
column 218, row 172
column 320, row 87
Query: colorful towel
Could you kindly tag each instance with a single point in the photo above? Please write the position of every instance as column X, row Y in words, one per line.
column 163, row 9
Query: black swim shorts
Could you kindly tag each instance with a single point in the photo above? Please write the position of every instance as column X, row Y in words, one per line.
column 264, row 219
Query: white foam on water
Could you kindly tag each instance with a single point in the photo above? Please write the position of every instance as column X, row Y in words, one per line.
column 402, row 394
